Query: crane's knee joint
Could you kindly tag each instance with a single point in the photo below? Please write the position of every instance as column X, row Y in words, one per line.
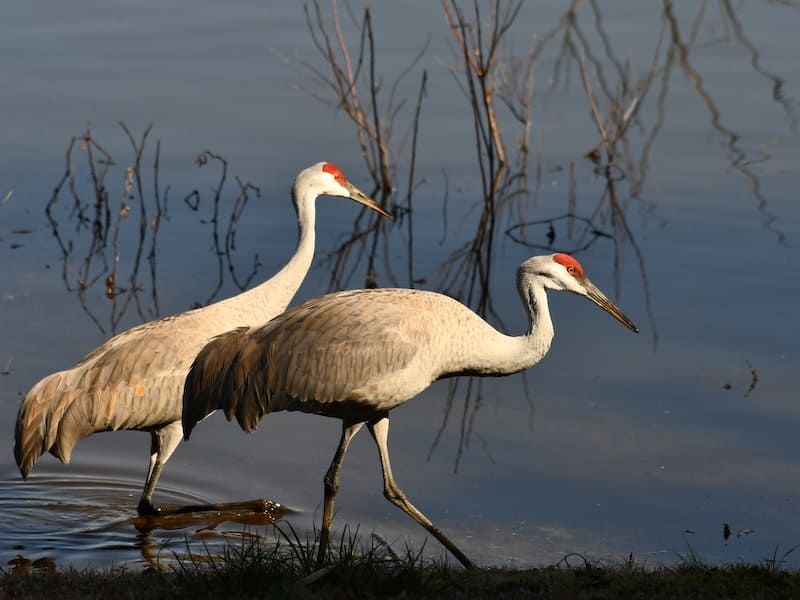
column 392, row 497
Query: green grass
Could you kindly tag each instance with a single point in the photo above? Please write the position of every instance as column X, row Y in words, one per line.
column 287, row 569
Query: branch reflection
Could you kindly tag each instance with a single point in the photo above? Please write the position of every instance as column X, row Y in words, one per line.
column 225, row 249
column 499, row 87
column 100, row 251
column 491, row 77
column 208, row 542
column 740, row 160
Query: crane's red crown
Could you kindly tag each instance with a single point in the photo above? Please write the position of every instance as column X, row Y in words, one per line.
column 572, row 265
column 336, row 172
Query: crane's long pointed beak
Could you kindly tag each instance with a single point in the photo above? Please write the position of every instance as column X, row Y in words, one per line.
column 599, row 298
column 360, row 197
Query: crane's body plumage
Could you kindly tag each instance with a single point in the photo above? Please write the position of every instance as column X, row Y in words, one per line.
column 351, row 355
column 356, row 355
column 135, row 380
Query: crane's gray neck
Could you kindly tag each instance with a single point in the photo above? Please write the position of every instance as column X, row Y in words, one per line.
column 502, row 354
column 540, row 326
column 288, row 280
column 270, row 298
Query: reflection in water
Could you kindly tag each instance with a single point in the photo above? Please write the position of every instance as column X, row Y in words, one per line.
column 50, row 521
column 490, row 77
column 739, row 158
column 625, row 174
column 99, row 257
column 350, row 82
column 200, row 530
column 625, row 99
column 225, row 249
column 615, row 98
column 731, row 19
column 622, row 159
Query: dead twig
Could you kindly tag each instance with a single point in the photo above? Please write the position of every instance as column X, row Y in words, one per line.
column 7, row 196
column 349, row 81
column 753, row 380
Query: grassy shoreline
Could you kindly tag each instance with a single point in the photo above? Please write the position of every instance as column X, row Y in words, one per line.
column 288, row 569
column 734, row 581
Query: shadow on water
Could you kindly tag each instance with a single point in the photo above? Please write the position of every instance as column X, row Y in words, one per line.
column 74, row 520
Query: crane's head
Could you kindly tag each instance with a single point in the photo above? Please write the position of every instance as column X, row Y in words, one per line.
column 326, row 179
column 563, row 273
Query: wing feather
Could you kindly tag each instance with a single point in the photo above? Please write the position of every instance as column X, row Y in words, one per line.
column 130, row 382
column 204, row 390
column 317, row 357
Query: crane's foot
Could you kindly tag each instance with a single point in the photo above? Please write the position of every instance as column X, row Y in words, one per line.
column 145, row 508
column 258, row 506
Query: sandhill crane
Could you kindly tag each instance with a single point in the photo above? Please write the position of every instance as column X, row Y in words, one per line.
column 356, row 355
column 135, row 379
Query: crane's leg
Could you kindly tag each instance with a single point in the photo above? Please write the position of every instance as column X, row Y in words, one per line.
column 162, row 444
column 332, row 486
column 380, row 432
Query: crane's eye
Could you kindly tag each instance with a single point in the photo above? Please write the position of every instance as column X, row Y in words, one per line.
column 571, row 270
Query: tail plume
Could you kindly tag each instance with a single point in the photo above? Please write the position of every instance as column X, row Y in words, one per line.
column 39, row 424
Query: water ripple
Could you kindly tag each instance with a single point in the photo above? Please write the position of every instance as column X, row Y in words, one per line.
column 47, row 521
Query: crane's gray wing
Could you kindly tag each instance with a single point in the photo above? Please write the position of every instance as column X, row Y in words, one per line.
column 133, row 381
column 203, row 389
column 326, row 356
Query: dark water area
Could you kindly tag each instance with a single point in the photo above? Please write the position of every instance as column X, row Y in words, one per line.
column 614, row 444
